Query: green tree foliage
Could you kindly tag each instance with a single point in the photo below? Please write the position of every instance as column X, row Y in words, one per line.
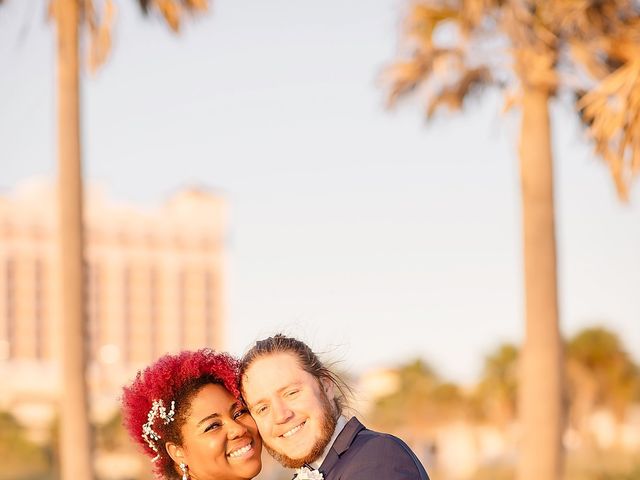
column 600, row 373
column 21, row 458
column 111, row 435
column 632, row 475
column 496, row 393
column 421, row 401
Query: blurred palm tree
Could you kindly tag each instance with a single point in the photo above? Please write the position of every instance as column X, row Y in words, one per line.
column 21, row 458
column 533, row 50
column 72, row 18
column 110, row 435
column 497, row 389
column 600, row 374
column 421, row 402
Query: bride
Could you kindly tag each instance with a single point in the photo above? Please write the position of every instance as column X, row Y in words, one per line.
column 185, row 411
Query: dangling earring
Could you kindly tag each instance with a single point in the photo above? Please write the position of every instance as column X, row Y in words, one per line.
column 185, row 475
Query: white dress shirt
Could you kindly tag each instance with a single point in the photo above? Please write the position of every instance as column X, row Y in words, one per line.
column 341, row 422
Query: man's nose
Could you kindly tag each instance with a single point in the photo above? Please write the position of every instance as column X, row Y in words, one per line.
column 281, row 412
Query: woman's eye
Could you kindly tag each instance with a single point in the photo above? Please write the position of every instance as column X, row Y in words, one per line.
column 240, row 412
column 213, row 426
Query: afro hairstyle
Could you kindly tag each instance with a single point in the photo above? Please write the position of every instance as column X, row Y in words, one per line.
column 173, row 378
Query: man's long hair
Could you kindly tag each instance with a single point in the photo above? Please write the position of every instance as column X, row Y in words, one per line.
column 308, row 360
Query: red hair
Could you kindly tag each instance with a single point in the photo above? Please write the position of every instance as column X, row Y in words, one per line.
column 173, row 378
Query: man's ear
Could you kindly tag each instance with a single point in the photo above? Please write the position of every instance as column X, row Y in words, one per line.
column 176, row 453
column 328, row 387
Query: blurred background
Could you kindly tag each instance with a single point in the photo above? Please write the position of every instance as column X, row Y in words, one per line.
column 245, row 177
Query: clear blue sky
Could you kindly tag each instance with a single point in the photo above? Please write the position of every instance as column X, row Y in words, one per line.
column 369, row 233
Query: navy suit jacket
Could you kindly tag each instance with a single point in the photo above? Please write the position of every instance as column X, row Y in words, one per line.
column 361, row 454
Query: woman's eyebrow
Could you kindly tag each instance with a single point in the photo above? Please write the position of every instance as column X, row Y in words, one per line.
column 208, row 417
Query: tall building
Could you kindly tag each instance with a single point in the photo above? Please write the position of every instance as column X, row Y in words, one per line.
column 153, row 285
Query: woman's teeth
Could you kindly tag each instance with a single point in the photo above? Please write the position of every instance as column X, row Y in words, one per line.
column 241, row 451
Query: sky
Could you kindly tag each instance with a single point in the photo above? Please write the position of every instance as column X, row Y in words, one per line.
column 373, row 235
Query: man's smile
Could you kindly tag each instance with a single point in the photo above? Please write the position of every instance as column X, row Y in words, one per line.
column 294, row 430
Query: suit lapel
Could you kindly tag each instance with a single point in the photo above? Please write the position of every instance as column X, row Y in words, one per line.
column 342, row 443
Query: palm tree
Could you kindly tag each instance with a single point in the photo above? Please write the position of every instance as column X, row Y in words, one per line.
column 533, row 50
column 421, row 402
column 600, row 374
column 497, row 390
column 70, row 16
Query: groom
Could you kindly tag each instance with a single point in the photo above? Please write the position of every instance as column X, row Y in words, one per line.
column 297, row 403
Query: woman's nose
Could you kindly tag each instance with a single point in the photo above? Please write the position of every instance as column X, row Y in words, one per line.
column 236, row 429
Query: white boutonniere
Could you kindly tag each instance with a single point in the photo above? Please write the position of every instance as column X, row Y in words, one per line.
column 305, row 473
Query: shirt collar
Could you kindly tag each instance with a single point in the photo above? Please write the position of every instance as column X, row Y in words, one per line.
column 340, row 423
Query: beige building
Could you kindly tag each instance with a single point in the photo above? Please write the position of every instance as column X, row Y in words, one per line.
column 154, row 285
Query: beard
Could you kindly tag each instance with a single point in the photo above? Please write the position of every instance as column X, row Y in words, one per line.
column 327, row 427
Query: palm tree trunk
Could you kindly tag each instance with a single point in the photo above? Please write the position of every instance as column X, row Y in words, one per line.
column 75, row 441
column 540, row 393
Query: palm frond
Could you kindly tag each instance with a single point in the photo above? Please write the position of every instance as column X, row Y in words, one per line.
column 589, row 54
column 402, row 78
column 612, row 110
column 100, row 26
column 453, row 96
column 422, row 21
column 423, row 57
column 172, row 10
column 589, row 47
column 474, row 13
column 145, row 5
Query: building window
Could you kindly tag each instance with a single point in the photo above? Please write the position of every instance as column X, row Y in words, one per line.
column 39, row 308
column 10, row 309
column 93, row 305
column 154, row 322
column 126, row 317
column 209, row 314
column 182, row 308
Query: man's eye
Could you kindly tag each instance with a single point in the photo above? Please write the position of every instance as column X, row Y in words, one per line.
column 260, row 410
column 292, row 393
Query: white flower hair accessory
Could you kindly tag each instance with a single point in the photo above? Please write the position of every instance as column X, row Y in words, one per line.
column 305, row 473
column 158, row 410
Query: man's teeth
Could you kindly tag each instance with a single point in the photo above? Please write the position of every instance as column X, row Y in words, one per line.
column 292, row 431
column 240, row 451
